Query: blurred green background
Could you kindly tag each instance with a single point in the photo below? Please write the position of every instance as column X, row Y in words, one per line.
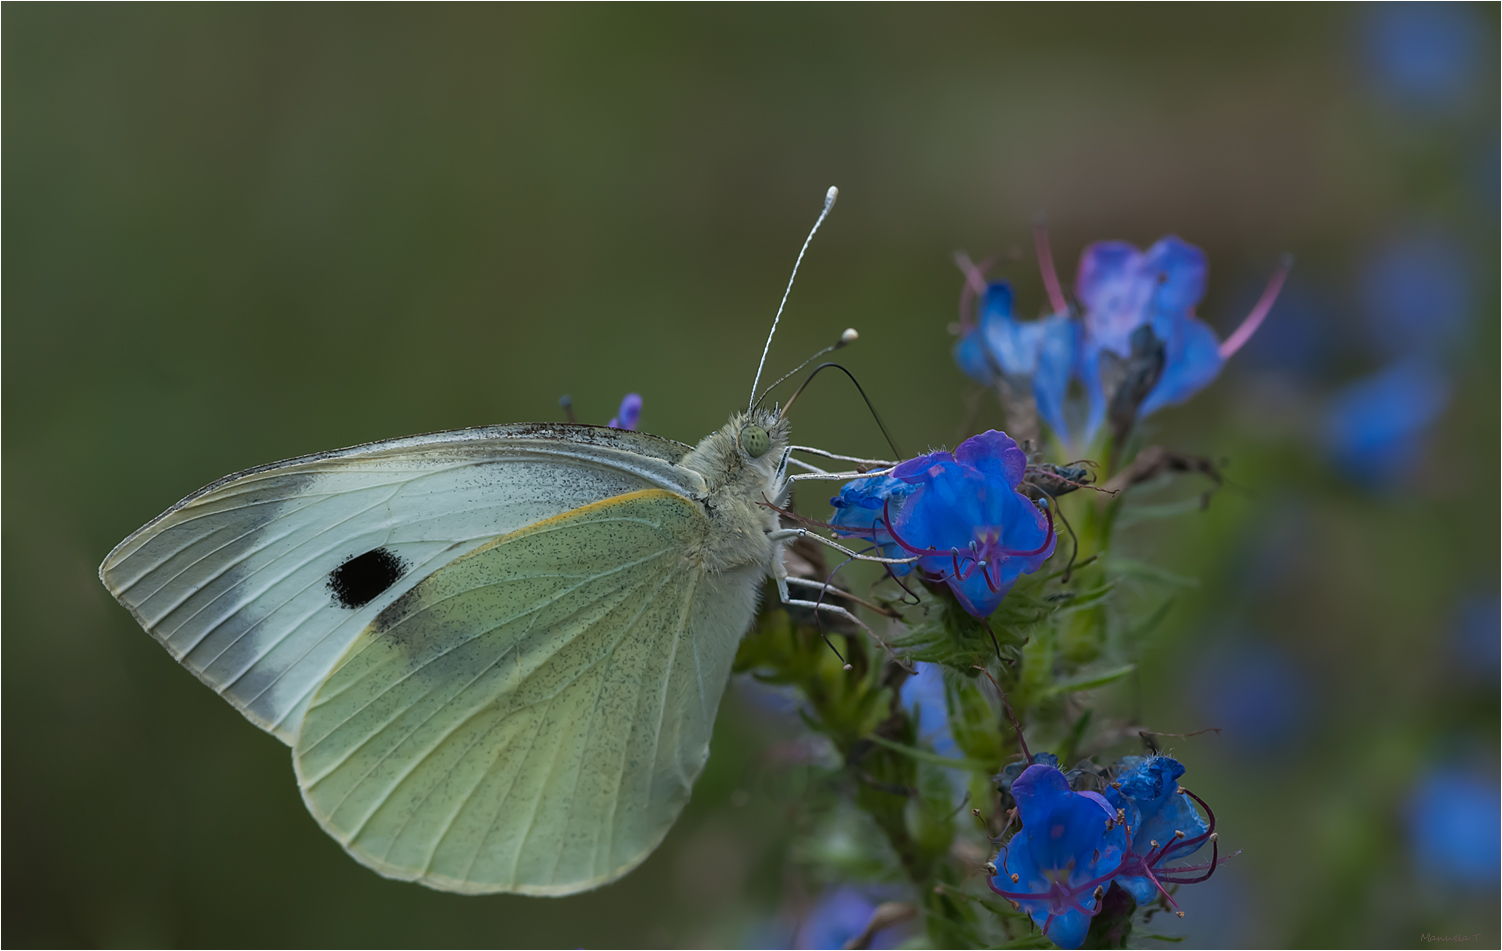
column 235, row 234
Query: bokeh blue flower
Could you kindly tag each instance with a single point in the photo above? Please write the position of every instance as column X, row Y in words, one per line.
column 1255, row 693
column 1374, row 428
column 1416, row 295
column 1455, row 825
column 1424, row 56
column 839, row 915
column 1069, row 846
column 1476, row 638
column 922, row 696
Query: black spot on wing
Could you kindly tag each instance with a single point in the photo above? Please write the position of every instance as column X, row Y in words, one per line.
column 364, row 577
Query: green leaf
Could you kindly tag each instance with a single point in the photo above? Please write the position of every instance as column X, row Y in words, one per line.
column 1076, row 733
column 927, row 757
column 1141, row 569
column 1132, row 514
column 1174, row 938
column 1091, row 681
column 1088, row 598
column 1150, row 623
column 1001, row 909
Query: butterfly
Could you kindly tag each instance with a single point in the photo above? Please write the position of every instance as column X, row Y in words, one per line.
column 496, row 653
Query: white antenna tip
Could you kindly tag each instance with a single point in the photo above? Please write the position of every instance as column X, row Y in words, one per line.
column 830, row 196
column 848, row 337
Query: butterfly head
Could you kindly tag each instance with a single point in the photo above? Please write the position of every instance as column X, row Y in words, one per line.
column 744, row 456
column 761, row 438
column 741, row 464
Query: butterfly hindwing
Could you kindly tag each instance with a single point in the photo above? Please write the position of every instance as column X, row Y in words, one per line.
column 259, row 582
column 532, row 716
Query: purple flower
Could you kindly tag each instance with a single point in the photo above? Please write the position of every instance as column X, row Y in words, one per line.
column 629, row 414
column 1374, row 428
column 962, row 516
column 1163, row 824
column 1035, row 355
column 1143, row 348
column 1060, row 863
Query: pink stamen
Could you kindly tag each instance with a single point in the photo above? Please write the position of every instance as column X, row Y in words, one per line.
column 975, row 286
column 1154, row 879
column 1045, row 265
column 985, row 574
column 1209, row 869
column 1259, row 313
column 1156, row 855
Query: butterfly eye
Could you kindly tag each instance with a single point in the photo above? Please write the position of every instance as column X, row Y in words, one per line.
column 755, row 441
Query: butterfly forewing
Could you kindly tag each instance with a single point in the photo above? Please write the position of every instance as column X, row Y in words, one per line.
column 531, row 717
column 259, row 582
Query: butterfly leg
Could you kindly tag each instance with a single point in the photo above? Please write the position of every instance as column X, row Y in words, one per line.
column 780, row 575
column 806, row 467
column 838, row 611
column 784, row 534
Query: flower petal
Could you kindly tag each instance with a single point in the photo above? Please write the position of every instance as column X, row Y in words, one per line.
column 1057, row 339
column 970, row 354
column 1193, row 362
column 1180, row 271
column 629, row 414
column 995, row 454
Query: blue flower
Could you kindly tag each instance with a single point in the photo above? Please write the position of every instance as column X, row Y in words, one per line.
column 1163, row 824
column 1140, row 327
column 965, row 519
column 1036, row 354
column 1374, row 428
column 1064, row 857
column 961, row 514
column 1453, row 820
column 629, row 414
column 858, row 513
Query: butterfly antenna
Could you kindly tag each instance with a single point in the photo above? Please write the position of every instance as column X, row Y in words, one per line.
column 897, row 453
column 846, row 339
column 829, row 198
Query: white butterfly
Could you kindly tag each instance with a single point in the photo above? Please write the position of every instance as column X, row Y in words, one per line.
column 496, row 653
